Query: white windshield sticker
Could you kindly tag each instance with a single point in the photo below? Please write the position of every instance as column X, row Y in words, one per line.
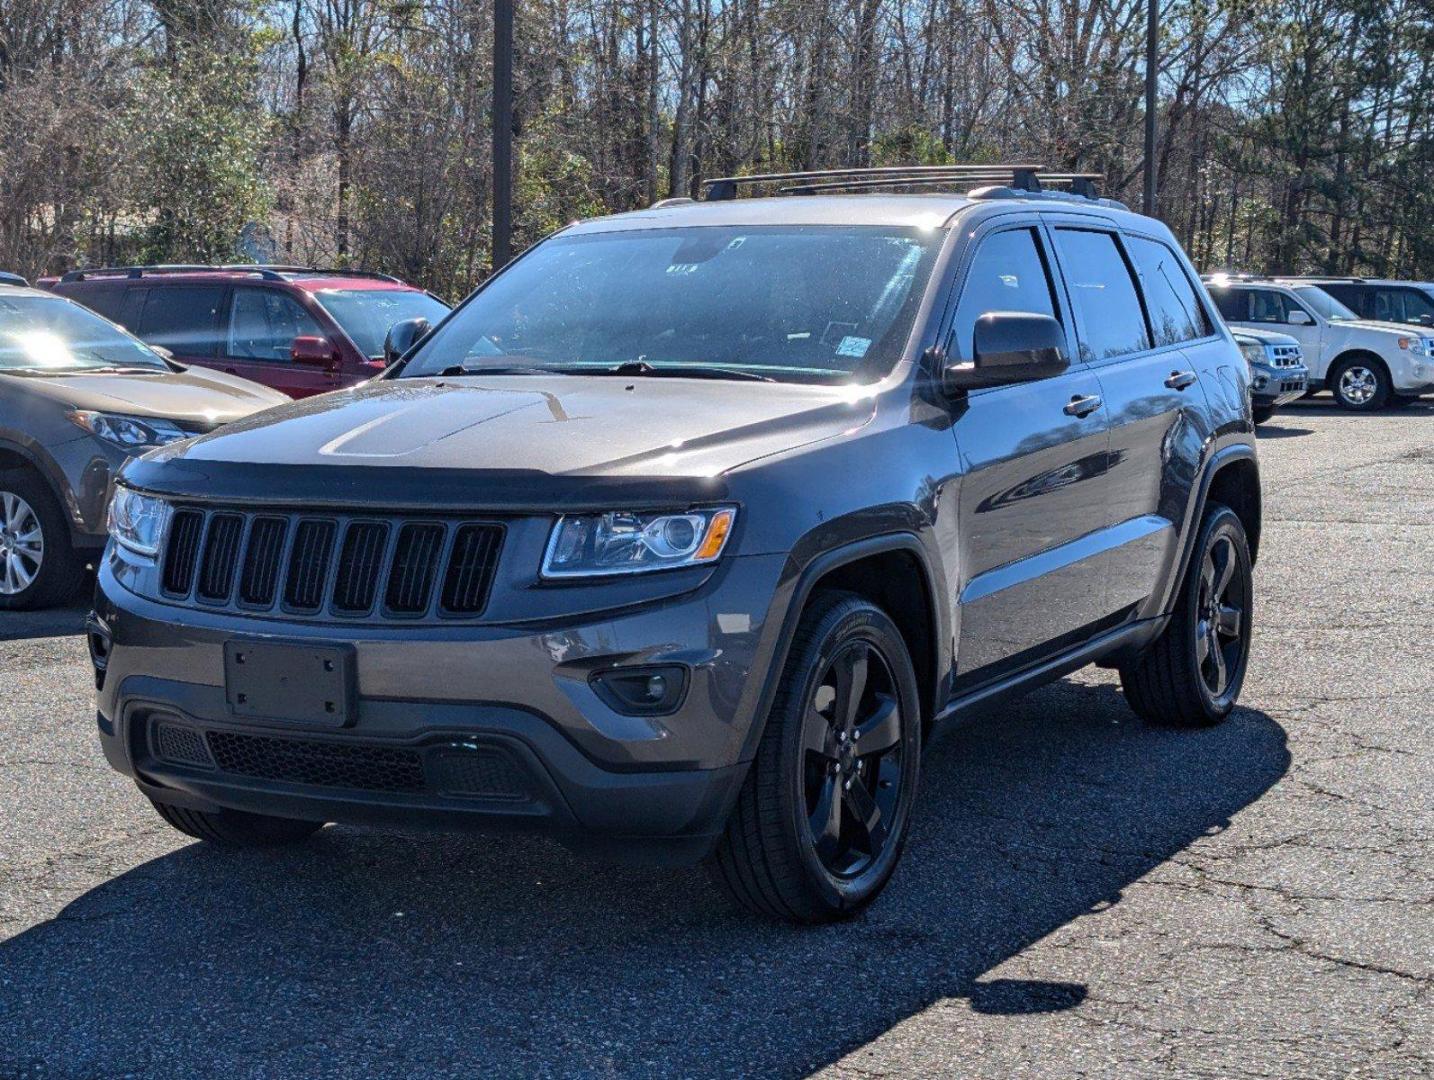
column 853, row 346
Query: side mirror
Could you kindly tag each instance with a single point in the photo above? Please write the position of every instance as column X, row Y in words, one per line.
column 1010, row 347
column 315, row 351
column 1299, row 318
column 402, row 336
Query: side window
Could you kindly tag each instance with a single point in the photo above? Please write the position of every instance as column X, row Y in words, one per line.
column 1269, row 306
column 1175, row 311
column 183, row 318
column 1353, row 297
column 1008, row 273
column 263, row 324
column 108, row 300
column 1233, row 304
column 1103, row 292
column 1418, row 307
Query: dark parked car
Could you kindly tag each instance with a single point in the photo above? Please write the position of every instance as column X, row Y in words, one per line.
column 680, row 536
column 1278, row 374
column 299, row 330
column 1409, row 302
column 78, row 397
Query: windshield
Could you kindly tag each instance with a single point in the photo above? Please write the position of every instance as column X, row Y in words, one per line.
column 1324, row 304
column 812, row 303
column 367, row 315
column 42, row 333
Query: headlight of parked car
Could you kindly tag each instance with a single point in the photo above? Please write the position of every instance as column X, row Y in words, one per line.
column 588, row 544
column 128, row 432
column 136, row 521
column 1254, row 354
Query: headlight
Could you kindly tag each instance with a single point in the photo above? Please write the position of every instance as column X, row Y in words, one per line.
column 588, row 544
column 128, row 432
column 1418, row 346
column 137, row 521
column 1254, row 354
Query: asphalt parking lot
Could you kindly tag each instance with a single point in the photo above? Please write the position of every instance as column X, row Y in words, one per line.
column 1083, row 896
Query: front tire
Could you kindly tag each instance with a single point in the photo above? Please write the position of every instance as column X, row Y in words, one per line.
column 1361, row 384
column 234, row 828
column 38, row 564
column 1192, row 674
column 1262, row 413
column 824, row 812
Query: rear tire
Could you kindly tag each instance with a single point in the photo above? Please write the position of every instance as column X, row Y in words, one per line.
column 825, row 809
column 1192, row 674
column 1360, row 384
column 234, row 828
column 38, row 564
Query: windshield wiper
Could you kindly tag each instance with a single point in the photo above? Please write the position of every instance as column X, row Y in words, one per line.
column 497, row 369
column 682, row 371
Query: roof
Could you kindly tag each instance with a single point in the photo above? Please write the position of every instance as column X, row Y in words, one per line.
column 923, row 211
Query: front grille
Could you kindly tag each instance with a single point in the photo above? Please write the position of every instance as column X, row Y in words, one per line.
column 477, row 771
column 185, row 529
column 1286, row 355
column 321, row 764
column 315, row 565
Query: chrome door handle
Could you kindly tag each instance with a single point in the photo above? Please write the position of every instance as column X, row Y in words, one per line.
column 1179, row 380
column 1082, row 405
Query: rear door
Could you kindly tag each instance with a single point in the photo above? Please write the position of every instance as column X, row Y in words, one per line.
column 1034, row 490
column 260, row 325
column 184, row 318
column 1137, row 307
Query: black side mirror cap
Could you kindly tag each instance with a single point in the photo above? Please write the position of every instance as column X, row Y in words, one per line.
column 403, row 336
column 1009, row 347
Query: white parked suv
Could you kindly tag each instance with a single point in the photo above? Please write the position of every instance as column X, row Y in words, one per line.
column 1365, row 364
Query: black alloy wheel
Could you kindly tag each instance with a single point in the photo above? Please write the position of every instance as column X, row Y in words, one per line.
column 824, row 812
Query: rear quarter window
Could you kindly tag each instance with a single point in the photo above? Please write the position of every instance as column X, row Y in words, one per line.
column 1176, row 314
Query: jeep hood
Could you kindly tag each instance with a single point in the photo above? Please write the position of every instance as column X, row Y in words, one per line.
column 512, row 441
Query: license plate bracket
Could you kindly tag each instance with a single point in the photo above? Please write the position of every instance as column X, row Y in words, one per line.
column 290, row 682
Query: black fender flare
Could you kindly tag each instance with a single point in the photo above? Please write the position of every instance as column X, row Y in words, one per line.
column 35, row 456
column 800, row 592
column 1217, row 461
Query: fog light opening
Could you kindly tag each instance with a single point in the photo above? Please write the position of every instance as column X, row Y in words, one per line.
column 642, row 691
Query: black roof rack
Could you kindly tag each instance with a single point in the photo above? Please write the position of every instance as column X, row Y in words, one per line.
column 994, row 180
column 7, row 278
column 267, row 271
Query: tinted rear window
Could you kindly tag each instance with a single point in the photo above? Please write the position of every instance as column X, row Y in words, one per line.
column 1170, row 298
column 183, row 318
column 1103, row 291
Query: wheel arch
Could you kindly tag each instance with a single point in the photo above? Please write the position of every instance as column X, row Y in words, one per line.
column 1231, row 477
column 1367, row 355
column 892, row 570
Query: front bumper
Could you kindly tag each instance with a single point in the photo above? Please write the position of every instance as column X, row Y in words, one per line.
column 1271, row 386
column 455, row 727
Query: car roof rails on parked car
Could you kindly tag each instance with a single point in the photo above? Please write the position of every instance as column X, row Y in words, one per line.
column 1226, row 277
column 269, row 272
column 976, row 181
column 7, row 278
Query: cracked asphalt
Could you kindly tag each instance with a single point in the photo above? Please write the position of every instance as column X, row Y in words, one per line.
column 1082, row 895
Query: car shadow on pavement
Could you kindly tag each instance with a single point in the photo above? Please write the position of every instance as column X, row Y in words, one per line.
column 52, row 622
column 368, row 953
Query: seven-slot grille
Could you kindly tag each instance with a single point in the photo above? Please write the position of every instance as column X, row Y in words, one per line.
column 313, row 565
column 1286, row 355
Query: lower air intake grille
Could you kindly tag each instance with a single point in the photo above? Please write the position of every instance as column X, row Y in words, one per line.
column 181, row 745
column 298, row 761
column 479, row 771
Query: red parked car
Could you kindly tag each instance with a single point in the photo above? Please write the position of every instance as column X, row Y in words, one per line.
column 299, row 330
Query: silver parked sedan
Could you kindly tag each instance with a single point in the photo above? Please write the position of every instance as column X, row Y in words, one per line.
column 78, row 397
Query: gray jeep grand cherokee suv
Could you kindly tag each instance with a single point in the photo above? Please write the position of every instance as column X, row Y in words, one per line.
column 683, row 533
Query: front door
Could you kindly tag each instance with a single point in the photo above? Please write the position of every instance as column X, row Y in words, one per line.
column 1034, row 489
column 260, row 326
